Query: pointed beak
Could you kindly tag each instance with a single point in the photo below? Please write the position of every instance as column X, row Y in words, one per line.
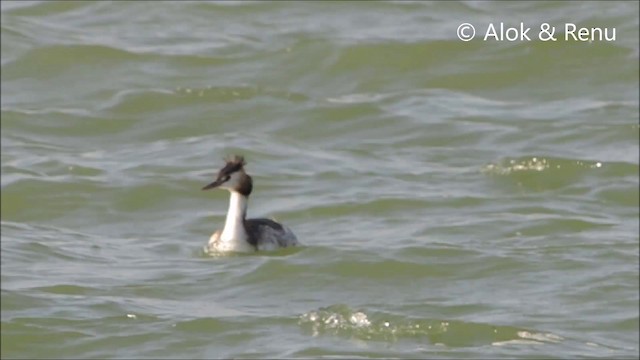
column 213, row 185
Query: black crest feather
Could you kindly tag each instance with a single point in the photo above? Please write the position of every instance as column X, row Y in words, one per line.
column 235, row 160
column 233, row 163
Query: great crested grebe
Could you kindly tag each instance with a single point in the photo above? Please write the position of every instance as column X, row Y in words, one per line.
column 239, row 233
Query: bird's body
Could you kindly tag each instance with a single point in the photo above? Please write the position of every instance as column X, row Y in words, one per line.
column 240, row 234
column 260, row 234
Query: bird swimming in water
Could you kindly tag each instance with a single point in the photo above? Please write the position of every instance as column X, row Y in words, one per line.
column 239, row 233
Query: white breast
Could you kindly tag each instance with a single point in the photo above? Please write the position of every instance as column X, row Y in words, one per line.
column 234, row 243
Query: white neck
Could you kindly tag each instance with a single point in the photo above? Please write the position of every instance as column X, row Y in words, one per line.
column 234, row 227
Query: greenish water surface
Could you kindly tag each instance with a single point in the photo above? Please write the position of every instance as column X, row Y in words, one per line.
column 455, row 199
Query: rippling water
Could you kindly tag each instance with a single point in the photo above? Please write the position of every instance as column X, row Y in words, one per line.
column 456, row 199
